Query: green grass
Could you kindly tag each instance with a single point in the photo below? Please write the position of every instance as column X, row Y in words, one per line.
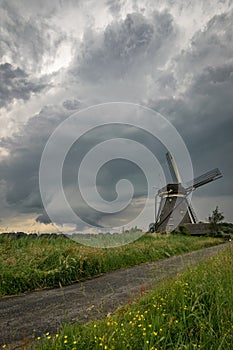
column 192, row 311
column 28, row 264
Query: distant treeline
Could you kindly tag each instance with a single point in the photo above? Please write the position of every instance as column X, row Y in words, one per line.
column 225, row 228
column 18, row 235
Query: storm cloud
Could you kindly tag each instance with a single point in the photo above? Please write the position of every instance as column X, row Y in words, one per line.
column 15, row 84
column 59, row 58
column 126, row 45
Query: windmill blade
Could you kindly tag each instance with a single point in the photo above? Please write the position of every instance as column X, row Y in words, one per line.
column 173, row 168
column 204, row 179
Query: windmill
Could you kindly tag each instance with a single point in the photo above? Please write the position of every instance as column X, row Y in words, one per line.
column 174, row 208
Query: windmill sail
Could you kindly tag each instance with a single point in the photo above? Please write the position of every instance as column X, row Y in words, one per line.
column 204, row 179
column 173, row 168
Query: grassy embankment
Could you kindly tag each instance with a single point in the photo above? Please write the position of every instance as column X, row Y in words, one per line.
column 29, row 264
column 192, row 311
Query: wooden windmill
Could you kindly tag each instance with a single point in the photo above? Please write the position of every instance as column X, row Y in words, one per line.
column 174, row 208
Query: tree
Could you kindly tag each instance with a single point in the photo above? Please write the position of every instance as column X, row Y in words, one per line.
column 215, row 220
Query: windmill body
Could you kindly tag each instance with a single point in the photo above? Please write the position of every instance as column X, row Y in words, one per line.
column 174, row 207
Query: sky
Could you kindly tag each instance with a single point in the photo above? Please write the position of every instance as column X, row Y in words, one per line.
column 60, row 57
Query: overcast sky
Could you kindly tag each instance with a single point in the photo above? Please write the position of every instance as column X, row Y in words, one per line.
column 58, row 57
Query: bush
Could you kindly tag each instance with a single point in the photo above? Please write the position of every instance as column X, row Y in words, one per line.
column 215, row 220
column 183, row 230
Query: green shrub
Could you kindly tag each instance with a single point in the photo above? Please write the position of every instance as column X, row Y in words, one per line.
column 183, row 230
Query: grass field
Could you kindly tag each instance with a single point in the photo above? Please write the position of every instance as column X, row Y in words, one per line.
column 192, row 311
column 29, row 264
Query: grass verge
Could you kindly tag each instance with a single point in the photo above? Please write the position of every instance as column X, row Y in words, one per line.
column 28, row 264
column 192, row 311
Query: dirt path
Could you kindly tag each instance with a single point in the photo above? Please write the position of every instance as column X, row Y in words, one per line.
column 37, row 312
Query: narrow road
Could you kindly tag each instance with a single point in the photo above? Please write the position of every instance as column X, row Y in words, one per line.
column 38, row 312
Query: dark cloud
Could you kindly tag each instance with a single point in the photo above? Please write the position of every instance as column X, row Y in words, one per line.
column 109, row 174
column 209, row 47
column 71, row 105
column 135, row 44
column 43, row 219
column 20, row 170
column 16, row 84
column 203, row 111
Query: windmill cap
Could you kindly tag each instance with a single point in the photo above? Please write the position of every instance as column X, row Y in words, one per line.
column 172, row 189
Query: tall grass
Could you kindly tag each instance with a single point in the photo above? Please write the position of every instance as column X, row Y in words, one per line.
column 29, row 264
column 193, row 311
